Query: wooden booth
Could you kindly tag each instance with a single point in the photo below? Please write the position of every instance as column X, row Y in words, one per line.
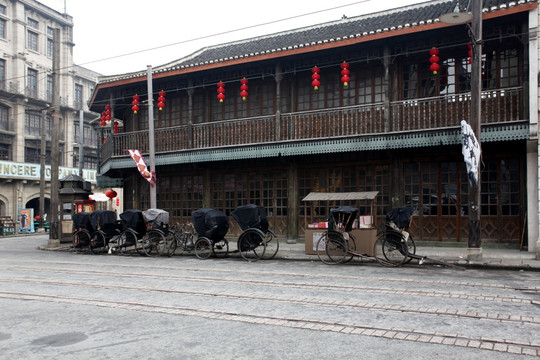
column 364, row 229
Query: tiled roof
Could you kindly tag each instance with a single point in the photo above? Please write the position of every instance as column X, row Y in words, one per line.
column 335, row 31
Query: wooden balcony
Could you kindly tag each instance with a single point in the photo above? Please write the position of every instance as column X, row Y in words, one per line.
column 498, row 106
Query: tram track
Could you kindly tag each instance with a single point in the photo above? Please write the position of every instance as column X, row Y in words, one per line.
column 334, row 286
column 350, row 327
column 406, row 309
column 279, row 274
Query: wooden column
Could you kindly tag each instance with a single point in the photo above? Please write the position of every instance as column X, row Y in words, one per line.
column 292, row 201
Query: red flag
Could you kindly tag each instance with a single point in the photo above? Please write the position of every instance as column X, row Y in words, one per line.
column 141, row 166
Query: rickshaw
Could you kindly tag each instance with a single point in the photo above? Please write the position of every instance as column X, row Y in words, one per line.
column 82, row 231
column 131, row 238
column 106, row 228
column 211, row 226
column 338, row 244
column 395, row 243
column 158, row 239
column 257, row 241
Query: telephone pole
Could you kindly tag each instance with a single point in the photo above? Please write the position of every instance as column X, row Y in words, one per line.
column 151, row 145
column 54, row 238
column 474, row 241
column 42, row 157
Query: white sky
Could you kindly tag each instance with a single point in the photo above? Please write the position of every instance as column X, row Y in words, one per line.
column 119, row 36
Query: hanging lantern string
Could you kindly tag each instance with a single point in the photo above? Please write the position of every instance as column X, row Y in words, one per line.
column 135, row 103
column 434, row 60
column 244, row 88
column 345, row 73
column 221, row 91
column 326, row 65
column 315, row 77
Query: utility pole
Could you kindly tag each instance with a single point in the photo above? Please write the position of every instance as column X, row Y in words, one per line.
column 42, row 157
column 151, row 135
column 474, row 241
column 81, row 144
column 54, row 238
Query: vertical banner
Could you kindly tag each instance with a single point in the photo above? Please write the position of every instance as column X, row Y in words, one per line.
column 141, row 166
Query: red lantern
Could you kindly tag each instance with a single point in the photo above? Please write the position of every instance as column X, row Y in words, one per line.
column 161, row 100
column 221, row 91
column 244, row 88
column 107, row 113
column 434, row 60
column 315, row 78
column 103, row 122
column 135, row 103
column 115, row 127
column 117, row 202
column 345, row 73
column 469, row 53
column 110, row 194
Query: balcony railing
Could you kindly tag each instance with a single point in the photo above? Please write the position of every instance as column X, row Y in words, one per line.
column 498, row 106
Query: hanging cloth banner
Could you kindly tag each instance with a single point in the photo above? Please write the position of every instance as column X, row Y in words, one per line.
column 141, row 166
column 471, row 151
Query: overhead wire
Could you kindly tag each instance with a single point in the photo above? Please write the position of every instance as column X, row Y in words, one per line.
column 229, row 32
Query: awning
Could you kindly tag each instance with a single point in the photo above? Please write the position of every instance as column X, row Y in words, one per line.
column 99, row 197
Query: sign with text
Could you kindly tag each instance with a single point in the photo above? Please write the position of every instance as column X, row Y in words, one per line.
column 27, row 171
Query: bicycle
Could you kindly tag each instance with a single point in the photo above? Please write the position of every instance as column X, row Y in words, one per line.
column 184, row 238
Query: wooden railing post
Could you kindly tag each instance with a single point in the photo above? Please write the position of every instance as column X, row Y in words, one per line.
column 278, row 78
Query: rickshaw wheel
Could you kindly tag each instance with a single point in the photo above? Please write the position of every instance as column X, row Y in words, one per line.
column 126, row 240
column 153, row 239
column 272, row 246
column 203, row 248
column 97, row 242
column 351, row 246
column 411, row 249
column 332, row 248
column 252, row 244
column 221, row 248
column 390, row 249
column 169, row 246
column 81, row 240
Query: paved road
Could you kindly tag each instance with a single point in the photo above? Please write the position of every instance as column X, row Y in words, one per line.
column 61, row 305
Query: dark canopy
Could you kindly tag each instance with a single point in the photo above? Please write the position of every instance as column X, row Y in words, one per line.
column 210, row 223
column 82, row 221
column 401, row 216
column 102, row 217
column 251, row 216
column 134, row 220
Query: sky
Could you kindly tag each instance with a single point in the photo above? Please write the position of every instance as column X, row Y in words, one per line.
column 118, row 36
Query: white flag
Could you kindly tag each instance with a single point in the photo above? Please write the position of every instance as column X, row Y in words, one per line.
column 471, row 151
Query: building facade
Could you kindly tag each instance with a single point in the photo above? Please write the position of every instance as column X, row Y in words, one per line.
column 393, row 127
column 27, row 39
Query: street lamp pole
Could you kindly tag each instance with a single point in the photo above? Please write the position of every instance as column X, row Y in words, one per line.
column 474, row 241
column 475, row 32
column 153, row 195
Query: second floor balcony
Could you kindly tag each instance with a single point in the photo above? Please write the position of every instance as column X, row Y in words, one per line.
column 500, row 108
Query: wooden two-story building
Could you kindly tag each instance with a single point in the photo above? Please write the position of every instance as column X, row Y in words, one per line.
column 393, row 128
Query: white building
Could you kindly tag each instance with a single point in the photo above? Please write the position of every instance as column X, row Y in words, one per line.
column 27, row 30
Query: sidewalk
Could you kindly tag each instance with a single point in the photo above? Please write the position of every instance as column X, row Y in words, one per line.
column 491, row 258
